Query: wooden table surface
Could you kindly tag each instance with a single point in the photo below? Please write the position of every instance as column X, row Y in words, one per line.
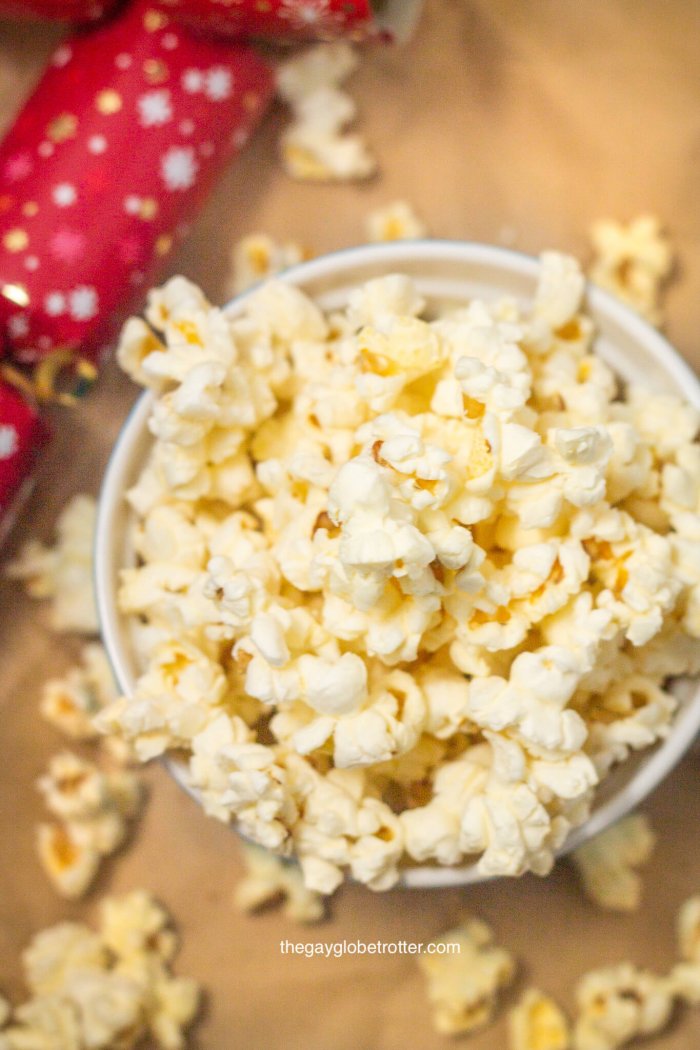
column 502, row 121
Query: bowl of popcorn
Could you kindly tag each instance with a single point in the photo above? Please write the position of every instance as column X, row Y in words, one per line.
column 398, row 561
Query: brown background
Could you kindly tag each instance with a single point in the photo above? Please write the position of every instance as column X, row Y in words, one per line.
column 503, row 121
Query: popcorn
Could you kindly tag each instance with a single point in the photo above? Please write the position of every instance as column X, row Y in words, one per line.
column 63, row 573
column 618, row 1004
column 684, row 979
column 394, row 222
column 559, row 291
column 92, row 810
column 536, row 1022
column 326, row 65
column 257, row 257
column 629, row 715
column 268, row 878
column 410, row 579
column 606, row 864
column 103, row 990
column 507, row 822
column 463, row 987
column 70, row 703
column 315, row 147
column 633, row 262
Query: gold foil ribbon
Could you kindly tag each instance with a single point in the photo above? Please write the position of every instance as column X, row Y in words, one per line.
column 52, row 369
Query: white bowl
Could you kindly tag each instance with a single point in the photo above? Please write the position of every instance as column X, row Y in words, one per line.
column 444, row 271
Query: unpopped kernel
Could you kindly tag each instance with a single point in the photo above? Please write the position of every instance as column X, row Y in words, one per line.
column 463, row 987
column 606, row 864
column 537, row 1022
column 408, row 586
column 63, row 573
column 106, row 989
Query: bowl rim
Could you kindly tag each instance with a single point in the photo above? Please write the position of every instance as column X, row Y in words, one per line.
column 661, row 760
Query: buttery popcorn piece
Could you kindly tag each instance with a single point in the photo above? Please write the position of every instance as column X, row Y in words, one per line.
column 63, row 573
column 411, row 578
column 70, row 703
column 394, row 222
column 618, row 1004
column 688, row 930
column 258, row 257
column 606, row 864
column 684, row 978
column 269, row 878
column 105, row 990
column 92, row 811
column 316, row 147
column 536, row 1022
column 463, row 987
column 632, row 261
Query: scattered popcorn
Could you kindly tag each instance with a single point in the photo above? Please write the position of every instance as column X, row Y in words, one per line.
column 409, row 585
column 633, row 262
column 684, row 979
column 316, row 147
column 257, row 257
column 618, row 1004
column 325, row 65
column 606, row 864
column 536, row 1022
column 92, row 811
column 463, row 987
column 107, row 990
column 688, row 930
column 71, row 703
column 394, row 222
column 63, row 573
column 269, row 878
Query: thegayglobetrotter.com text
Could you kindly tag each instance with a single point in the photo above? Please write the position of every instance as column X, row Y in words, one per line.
column 336, row 949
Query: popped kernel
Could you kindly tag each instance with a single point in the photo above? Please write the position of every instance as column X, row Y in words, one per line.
column 70, row 703
column 316, row 147
column 269, row 878
column 463, row 987
column 101, row 991
column 617, row 1004
column 63, row 573
column 606, row 864
column 688, row 930
column 92, row 810
column 537, row 1022
column 394, row 222
column 257, row 257
column 633, row 261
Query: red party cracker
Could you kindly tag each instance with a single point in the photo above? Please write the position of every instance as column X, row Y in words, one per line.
column 78, row 11
column 22, row 435
column 282, row 19
column 105, row 167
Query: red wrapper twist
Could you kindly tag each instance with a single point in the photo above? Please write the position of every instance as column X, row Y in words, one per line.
column 301, row 20
column 104, row 169
column 22, row 435
column 58, row 11
column 78, row 11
